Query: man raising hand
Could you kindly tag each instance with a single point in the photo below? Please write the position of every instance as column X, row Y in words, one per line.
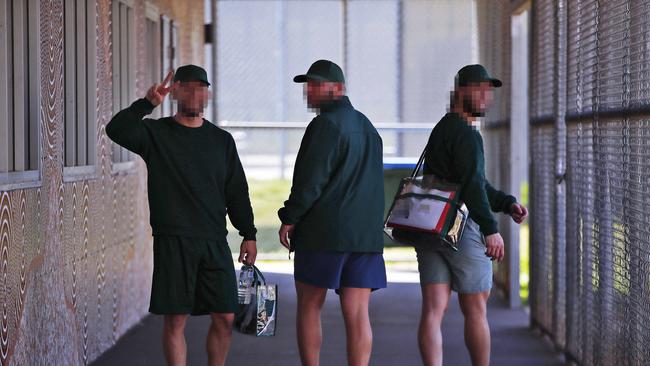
column 195, row 178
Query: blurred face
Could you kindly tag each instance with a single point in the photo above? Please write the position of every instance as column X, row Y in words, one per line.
column 192, row 97
column 477, row 98
column 319, row 93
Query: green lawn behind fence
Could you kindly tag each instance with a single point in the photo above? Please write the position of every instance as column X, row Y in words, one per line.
column 267, row 196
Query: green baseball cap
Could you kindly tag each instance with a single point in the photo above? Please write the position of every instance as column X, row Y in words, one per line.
column 475, row 74
column 322, row 70
column 191, row 73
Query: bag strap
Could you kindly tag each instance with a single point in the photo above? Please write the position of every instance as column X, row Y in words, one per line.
column 399, row 189
column 419, row 165
column 259, row 275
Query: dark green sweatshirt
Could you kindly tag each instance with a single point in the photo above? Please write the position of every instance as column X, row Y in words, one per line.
column 194, row 174
column 337, row 196
column 455, row 153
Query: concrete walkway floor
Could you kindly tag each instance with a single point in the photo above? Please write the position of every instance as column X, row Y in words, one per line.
column 394, row 314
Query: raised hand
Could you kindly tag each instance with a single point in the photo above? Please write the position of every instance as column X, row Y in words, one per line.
column 157, row 93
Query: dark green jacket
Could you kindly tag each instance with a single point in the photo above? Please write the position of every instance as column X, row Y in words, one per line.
column 455, row 153
column 194, row 174
column 337, row 197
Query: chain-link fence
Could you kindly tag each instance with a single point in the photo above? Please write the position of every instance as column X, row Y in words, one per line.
column 590, row 176
column 589, row 144
column 589, row 139
column 495, row 54
column 399, row 58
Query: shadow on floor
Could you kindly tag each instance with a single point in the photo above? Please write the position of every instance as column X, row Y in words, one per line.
column 394, row 313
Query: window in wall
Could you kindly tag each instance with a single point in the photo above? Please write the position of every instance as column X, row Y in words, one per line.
column 175, row 59
column 80, row 55
column 169, row 55
column 123, row 67
column 19, row 93
column 152, row 52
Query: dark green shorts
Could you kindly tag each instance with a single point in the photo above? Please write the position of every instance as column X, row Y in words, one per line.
column 192, row 276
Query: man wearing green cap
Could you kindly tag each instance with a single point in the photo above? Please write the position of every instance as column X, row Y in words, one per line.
column 333, row 217
column 455, row 154
column 194, row 179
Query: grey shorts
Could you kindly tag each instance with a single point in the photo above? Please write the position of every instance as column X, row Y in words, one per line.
column 468, row 270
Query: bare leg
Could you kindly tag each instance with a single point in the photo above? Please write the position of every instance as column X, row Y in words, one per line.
column 477, row 330
column 310, row 335
column 354, row 303
column 219, row 337
column 174, row 339
column 435, row 298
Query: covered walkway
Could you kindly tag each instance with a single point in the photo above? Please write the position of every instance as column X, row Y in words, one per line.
column 568, row 134
column 394, row 315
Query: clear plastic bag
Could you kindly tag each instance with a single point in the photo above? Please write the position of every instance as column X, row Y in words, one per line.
column 258, row 316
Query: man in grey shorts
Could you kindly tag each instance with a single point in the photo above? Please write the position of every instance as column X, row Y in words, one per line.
column 455, row 153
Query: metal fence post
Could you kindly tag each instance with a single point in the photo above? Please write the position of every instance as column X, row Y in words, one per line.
column 603, row 225
column 345, row 35
column 400, row 75
column 559, row 251
column 519, row 132
column 631, row 196
column 215, row 72
column 280, row 8
column 532, row 260
column 574, row 216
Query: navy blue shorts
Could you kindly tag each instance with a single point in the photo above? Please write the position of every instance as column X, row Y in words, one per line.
column 335, row 270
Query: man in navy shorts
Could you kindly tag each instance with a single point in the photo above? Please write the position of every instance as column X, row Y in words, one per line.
column 333, row 217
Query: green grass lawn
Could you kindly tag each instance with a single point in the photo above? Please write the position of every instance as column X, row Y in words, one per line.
column 524, row 270
column 524, row 250
column 267, row 196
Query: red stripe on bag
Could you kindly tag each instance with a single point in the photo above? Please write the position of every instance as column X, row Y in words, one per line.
column 443, row 216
